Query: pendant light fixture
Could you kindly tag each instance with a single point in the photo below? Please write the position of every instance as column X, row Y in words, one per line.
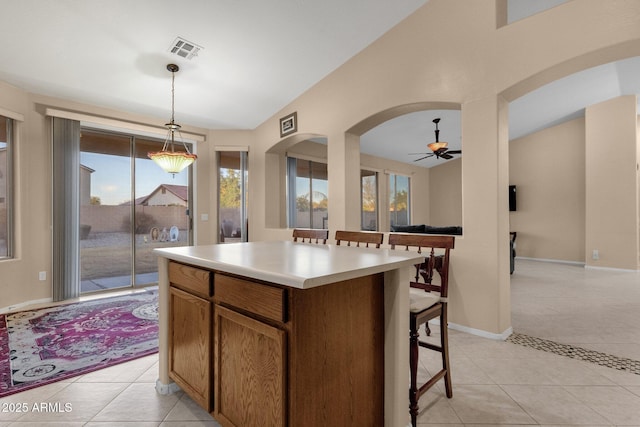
column 172, row 161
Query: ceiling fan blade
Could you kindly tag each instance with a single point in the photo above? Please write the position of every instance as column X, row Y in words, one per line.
column 446, row 156
column 422, row 158
column 454, row 152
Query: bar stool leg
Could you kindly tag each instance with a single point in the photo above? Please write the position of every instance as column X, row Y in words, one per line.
column 413, row 364
column 444, row 344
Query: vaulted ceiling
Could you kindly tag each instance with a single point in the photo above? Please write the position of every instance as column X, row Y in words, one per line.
column 254, row 58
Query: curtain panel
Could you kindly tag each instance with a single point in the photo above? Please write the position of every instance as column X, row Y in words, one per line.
column 66, row 208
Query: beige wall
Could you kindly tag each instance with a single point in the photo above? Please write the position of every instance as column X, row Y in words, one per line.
column 445, row 199
column 19, row 276
column 612, row 183
column 447, row 52
column 548, row 170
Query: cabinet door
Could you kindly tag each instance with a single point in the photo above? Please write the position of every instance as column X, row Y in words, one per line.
column 190, row 345
column 249, row 373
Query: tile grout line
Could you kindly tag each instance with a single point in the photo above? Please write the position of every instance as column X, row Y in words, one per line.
column 578, row 353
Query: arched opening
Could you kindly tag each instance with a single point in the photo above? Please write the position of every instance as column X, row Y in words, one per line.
column 414, row 187
column 573, row 157
column 303, row 155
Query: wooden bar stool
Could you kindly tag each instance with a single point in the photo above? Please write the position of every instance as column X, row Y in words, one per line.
column 358, row 237
column 428, row 301
column 310, row 235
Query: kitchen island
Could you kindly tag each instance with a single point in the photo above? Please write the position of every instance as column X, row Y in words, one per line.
column 287, row 334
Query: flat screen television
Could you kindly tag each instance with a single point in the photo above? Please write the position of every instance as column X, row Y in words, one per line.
column 512, row 198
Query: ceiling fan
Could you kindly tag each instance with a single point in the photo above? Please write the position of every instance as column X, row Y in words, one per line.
column 438, row 148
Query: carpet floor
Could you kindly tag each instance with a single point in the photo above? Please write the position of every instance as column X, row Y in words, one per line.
column 42, row 346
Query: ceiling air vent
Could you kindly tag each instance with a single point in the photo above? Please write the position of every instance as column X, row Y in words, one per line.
column 184, row 48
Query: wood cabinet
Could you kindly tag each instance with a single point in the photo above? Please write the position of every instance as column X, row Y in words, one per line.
column 249, row 353
column 190, row 332
column 282, row 356
column 250, row 375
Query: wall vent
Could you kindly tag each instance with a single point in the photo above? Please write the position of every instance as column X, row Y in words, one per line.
column 184, row 48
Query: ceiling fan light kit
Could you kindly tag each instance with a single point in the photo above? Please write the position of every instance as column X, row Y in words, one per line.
column 437, row 146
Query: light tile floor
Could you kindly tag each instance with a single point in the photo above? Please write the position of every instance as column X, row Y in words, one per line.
column 505, row 384
column 496, row 383
column 122, row 395
column 591, row 308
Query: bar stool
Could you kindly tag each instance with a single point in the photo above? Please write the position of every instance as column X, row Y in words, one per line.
column 310, row 235
column 358, row 237
column 428, row 301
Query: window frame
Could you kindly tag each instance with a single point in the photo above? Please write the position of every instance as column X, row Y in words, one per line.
column 291, row 198
column 243, row 154
column 364, row 173
column 9, row 182
column 393, row 191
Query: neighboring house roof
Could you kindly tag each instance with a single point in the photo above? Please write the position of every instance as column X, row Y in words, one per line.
column 180, row 191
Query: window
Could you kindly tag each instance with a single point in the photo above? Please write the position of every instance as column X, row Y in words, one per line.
column 399, row 200
column 307, row 199
column 232, row 196
column 6, row 187
column 369, row 201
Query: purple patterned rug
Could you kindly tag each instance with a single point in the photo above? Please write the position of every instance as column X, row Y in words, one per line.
column 42, row 346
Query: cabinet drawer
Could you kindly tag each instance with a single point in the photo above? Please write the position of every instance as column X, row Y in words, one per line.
column 190, row 279
column 263, row 300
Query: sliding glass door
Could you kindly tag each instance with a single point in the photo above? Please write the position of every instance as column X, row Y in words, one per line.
column 128, row 207
column 105, row 211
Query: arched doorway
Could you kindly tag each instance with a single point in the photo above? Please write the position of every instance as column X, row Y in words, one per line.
column 394, row 154
column 557, row 248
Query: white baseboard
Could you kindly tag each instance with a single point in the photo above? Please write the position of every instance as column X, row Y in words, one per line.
column 477, row 332
column 620, row 270
column 556, row 261
column 579, row 263
column 480, row 333
column 23, row 305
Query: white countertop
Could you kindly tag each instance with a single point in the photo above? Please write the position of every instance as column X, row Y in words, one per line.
column 298, row 265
